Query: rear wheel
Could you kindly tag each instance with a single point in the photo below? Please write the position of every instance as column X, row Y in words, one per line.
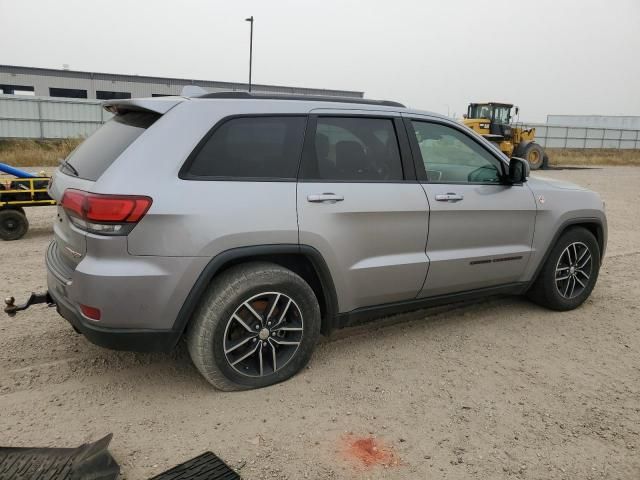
column 534, row 154
column 13, row 224
column 569, row 273
column 256, row 326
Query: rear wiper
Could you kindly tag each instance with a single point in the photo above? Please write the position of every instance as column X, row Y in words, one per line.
column 65, row 163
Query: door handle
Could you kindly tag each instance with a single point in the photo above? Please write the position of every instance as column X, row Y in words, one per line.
column 324, row 198
column 449, row 197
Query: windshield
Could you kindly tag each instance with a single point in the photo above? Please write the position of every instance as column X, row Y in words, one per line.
column 501, row 114
column 480, row 111
column 498, row 114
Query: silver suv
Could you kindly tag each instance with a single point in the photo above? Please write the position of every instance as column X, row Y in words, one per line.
column 251, row 224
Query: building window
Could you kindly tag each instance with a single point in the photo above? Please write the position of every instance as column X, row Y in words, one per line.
column 103, row 95
column 16, row 90
column 162, row 95
column 67, row 93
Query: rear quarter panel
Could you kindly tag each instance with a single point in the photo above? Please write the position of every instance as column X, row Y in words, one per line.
column 199, row 218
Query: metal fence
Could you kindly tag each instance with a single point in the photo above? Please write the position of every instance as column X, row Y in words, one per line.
column 551, row 136
column 48, row 118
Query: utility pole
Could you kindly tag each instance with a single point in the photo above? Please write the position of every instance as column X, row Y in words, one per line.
column 250, row 20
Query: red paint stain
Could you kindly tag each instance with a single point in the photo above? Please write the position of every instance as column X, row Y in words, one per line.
column 369, row 451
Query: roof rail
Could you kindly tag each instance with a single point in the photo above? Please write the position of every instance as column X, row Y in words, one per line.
column 193, row 91
column 311, row 98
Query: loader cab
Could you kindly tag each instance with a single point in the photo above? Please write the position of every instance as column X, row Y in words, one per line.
column 499, row 113
column 498, row 123
column 498, row 127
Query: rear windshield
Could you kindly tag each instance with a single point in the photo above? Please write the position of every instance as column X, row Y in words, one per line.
column 97, row 152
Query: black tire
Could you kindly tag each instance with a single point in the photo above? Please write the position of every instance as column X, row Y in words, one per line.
column 534, row 154
column 212, row 327
column 13, row 224
column 548, row 289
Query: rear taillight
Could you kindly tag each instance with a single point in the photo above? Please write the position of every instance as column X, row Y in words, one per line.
column 104, row 214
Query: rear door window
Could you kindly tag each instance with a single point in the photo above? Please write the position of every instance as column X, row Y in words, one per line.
column 246, row 148
column 99, row 151
column 354, row 149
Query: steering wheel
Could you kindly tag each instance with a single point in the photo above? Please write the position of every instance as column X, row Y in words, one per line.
column 486, row 173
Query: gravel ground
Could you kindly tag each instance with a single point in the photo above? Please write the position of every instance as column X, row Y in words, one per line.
column 492, row 390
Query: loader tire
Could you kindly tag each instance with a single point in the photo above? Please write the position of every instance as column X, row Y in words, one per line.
column 534, row 154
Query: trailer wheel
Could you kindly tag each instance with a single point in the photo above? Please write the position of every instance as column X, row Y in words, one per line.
column 534, row 154
column 13, row 224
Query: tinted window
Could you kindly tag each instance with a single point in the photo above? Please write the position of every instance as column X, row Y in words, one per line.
column 354, row 149
column 16, row 89
column 451, row 156
column 105, row 95
column 98, row 152
column 252, row 147
column 67, row 92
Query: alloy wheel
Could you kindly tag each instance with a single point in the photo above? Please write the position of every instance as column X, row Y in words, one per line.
column 263, row 334
column 573, row 270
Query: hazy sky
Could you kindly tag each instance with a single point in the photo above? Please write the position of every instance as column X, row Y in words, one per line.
column 547, row 56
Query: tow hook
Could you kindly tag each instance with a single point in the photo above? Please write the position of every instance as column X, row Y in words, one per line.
column 11, row 308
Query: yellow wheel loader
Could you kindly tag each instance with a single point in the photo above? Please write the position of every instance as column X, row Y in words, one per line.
column 493, row 121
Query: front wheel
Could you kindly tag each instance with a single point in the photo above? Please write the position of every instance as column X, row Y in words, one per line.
column 256, row 326
column 569, row 273
column 534, row 154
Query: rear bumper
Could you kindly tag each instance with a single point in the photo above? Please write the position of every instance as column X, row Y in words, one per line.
column 138, row 297
column 136, row 340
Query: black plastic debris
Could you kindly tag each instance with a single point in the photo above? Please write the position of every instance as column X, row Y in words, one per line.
column 91, row 461
column 203, row 467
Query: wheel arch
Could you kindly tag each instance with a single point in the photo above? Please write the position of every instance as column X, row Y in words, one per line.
column 304, row 260
column 592, row 224
column 596, row 228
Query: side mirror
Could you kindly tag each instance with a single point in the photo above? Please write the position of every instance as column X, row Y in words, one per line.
column 518, row 170
column 517, row 110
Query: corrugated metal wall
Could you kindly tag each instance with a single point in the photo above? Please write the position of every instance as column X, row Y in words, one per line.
column 42, row 79
column 554, row 136
column 45, row 117
column 620, row 122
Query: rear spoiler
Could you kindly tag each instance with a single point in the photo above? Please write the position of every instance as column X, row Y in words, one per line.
column 160, row 105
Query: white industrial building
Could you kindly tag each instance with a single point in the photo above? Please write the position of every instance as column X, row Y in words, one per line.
column 45, row 103
column 48, row 82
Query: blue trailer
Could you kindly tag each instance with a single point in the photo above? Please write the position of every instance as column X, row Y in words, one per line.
column 20, row 190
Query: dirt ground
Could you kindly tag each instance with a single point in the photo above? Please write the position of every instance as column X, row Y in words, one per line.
column 497, row 389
